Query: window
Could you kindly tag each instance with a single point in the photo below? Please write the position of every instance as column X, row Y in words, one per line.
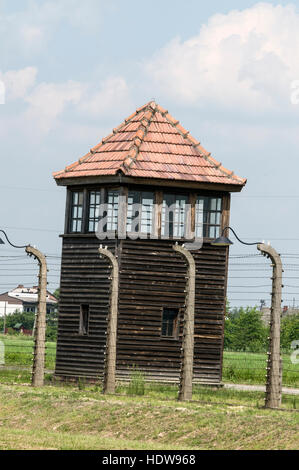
column 173, row 215
column 208, row 216
column 84, row 319
column 112, row 210
column 30, row 309
column 94, row 210
column 170, row 321
column 140, row 211
column 76, row 211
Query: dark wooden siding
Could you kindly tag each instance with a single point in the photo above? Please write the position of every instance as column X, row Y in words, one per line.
column 209, row 312
column 152, row 276
column 84, row 280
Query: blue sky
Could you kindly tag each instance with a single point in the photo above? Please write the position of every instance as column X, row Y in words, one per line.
column 73, row 70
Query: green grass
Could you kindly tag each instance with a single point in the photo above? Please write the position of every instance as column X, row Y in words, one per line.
column 238, row 367
column 64, row 417
column 243, row 367
column 19, row 349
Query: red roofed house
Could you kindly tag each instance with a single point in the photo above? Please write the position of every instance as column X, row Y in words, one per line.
column 182, row 192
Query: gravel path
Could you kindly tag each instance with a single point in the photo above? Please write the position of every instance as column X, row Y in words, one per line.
column 244, row 387
column 260, row 388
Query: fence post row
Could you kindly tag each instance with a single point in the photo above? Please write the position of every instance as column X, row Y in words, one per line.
column 38, row 368
column 274, row 364
column 110, row 359
column 186, row 374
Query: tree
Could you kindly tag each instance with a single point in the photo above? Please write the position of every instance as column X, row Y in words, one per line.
column 26, row 319
column 57, row 293
column 289, row 331
column 245, row 330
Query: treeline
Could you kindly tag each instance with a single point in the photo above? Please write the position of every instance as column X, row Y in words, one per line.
column 26, row 319
column 245, row 331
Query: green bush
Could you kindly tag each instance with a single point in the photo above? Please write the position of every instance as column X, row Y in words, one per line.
column 289, row 331
column 245, row 331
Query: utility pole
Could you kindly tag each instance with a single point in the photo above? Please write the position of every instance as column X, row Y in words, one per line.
column 186, row 374
column 274, row 365
column 38, row 368
column 110, row 360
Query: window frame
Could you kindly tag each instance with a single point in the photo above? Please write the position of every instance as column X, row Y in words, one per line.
column 71, row 207
column 175, row 323
column 84, row 320
column 150, row 232
column 207, row 225
column 190, row 226
column 98, row 192
column 170, row 235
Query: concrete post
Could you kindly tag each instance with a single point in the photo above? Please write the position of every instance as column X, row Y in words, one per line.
column 274, row 365
column 186, row 375
column 110, row 362
column 38, row 368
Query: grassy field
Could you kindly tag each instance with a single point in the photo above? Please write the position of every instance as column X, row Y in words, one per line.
column 64, row 417
column 81, row 417
column 238, row 367
column 19, row 348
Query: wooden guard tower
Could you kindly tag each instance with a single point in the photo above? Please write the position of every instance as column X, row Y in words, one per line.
column 152, row 161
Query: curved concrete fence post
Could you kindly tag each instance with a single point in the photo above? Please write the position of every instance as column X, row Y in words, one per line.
column 274, row 366
column 110, row 360
column 186, row 375
column 38, row 368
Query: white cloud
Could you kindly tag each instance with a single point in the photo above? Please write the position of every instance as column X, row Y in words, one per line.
column 242, row 59
column 40, row 107
column 2, row 92
column 18, row 82
column 49, row 100
column 33, row 24
column 31, row 34
column 113, row 92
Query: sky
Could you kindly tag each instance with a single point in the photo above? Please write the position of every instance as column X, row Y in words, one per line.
column 228, row 71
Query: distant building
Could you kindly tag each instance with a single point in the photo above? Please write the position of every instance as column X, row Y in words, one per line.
column 24, row 299
column 289, row 311
column 285, row 312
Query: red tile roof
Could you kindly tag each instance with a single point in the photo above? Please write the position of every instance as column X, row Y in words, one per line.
column 151, row 144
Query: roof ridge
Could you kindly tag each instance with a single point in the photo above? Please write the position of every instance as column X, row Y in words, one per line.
column 139, row 136
column 94, row 149
column 195, row 143
column 127, row 142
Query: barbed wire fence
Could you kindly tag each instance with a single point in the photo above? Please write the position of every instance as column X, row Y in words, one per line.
column 19, row 350
column 249, row 284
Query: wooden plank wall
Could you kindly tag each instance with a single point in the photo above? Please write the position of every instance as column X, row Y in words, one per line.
column 152, row 276
column 209, row 313
column 84, row 280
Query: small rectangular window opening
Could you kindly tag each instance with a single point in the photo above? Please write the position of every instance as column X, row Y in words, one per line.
column 84, row 319
column 76, row 212
column 170, row 322
column 174, row 215
column 140, row 212
column 94, row 209
column 208, row 211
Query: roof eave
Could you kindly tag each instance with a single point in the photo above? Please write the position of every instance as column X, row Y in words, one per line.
column 120, row 178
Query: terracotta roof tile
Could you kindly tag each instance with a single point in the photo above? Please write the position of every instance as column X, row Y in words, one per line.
column 151, row 144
